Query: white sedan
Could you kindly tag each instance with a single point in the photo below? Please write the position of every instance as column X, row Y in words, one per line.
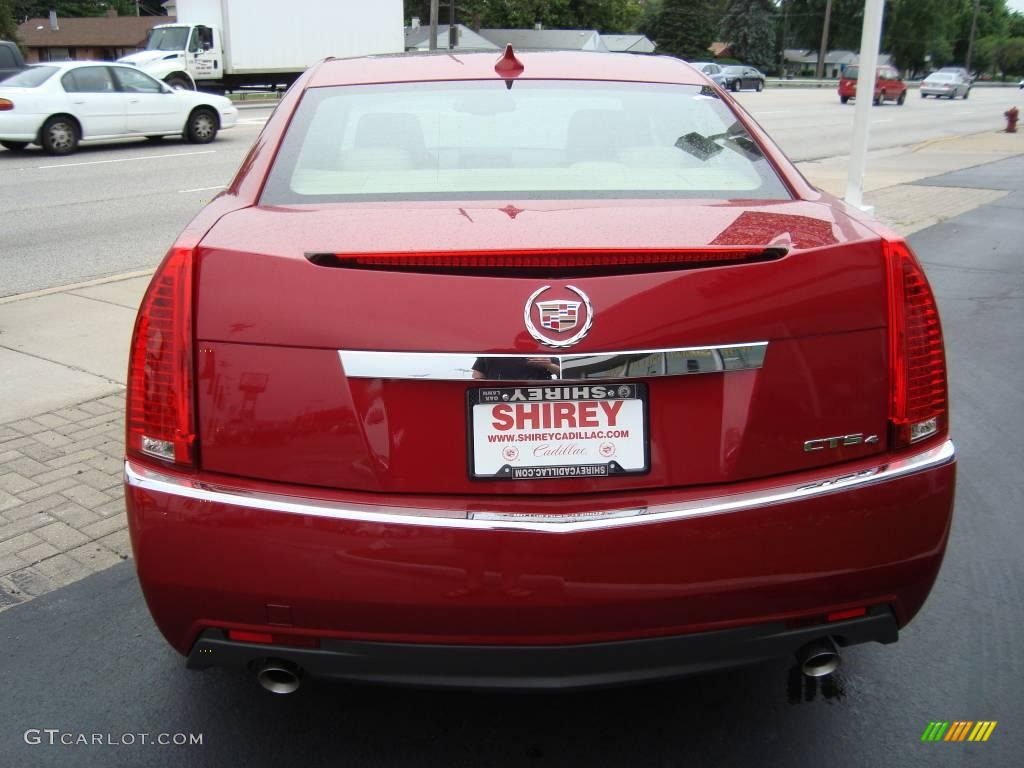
column 57, row 105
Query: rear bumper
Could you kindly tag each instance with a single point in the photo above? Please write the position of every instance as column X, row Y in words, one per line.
column 20, row 127
column 550, row 667
column 369, row 573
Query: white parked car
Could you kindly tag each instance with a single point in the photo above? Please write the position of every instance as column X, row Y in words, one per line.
column 57, row 105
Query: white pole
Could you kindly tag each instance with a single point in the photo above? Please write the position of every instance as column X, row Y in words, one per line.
column 867, row 64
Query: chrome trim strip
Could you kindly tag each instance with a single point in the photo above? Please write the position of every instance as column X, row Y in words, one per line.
column 632, row 364
column 158, row 482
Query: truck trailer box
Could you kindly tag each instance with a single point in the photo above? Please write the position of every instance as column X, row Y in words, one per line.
column 227, row 44
column 277, row 36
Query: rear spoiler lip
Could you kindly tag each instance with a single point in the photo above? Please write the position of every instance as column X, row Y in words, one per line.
column 536, row 262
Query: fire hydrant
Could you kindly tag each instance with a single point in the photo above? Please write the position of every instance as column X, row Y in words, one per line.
column 1011, row 119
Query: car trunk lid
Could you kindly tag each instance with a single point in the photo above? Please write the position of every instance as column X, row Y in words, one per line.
column 274, row 324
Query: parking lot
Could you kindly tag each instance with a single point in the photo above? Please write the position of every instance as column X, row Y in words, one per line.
column 86, row 658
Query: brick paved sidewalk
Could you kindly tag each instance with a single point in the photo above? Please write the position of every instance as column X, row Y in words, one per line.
column 61, row 503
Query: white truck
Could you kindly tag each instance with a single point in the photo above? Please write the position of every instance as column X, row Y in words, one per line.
column 227, row 44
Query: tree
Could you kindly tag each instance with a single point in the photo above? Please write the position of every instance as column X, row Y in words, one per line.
column 912, row 31
column 686, row 28
column 984, row 55
column 1015, row 24
column 602, row 15
column 1009, row 56
column 29, row 9
column 648, row 23
column 749, row 25
column 610, row 16
column 8, row 29
column 806, row 17
column 941, row 52
column 993, row 20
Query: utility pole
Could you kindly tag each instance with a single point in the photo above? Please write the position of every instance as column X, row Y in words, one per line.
column 820, row 71
column 453, row 33
column 433, row 24
column 970, row 42
column 785, row 31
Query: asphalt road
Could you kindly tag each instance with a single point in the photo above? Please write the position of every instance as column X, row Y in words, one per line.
column 811, row 124
column 108, row 208
column 117, row 207
column 87, row 660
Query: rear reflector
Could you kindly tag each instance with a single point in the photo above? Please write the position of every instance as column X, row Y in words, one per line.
column 917, row 361
column 243, row 636
column 160, row 422
column 6, row 105
column 852, row 613
column 517, row 263
column 267, row 638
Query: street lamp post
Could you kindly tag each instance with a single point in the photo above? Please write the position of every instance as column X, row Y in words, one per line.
column 871, row 34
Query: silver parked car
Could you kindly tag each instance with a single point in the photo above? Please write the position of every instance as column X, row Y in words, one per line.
column 712, row 70
column 948, row 84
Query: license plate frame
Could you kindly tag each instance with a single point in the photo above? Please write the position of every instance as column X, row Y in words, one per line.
column 628, row 457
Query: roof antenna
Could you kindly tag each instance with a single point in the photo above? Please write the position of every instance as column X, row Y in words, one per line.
column 508, row 66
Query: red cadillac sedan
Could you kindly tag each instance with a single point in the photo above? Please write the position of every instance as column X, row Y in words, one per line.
column 547, row 371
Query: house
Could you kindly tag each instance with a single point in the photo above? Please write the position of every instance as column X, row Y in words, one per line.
column 92, row 38
column 417, row 38
column 804, row 63
column 721, row 50
column 546, row 39
column 628, row 43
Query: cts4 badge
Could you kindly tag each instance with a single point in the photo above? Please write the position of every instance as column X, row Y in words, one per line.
column 560, row 314
column 840, row 441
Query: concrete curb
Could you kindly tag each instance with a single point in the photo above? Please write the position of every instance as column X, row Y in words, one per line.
column 75, row 286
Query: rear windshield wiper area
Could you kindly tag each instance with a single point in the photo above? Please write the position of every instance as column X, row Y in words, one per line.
column 706, row 147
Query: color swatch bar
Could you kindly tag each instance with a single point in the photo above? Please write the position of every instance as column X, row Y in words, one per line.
column 958, row 730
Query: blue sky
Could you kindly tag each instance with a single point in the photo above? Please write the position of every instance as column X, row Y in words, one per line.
column 1015, row 5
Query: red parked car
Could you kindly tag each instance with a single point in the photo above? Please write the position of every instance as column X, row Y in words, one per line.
column 889, row 86
column 545, row 372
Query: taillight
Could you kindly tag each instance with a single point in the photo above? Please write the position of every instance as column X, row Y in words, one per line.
column 6, row 105
column 918, row 405
column 160, row 420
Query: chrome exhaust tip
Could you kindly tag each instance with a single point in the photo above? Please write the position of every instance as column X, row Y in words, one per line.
column 819, row 658
column 279, row 676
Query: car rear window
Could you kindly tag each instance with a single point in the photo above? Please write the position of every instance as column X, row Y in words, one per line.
column 939, row 76
column 29, row 78
column 539, row 139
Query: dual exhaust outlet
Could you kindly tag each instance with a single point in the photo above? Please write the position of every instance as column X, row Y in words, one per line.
column 818, row 658
column 279, row 676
